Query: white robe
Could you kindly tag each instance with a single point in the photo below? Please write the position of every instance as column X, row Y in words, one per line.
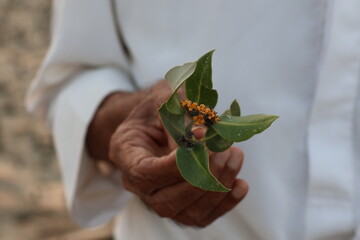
column 299, row 59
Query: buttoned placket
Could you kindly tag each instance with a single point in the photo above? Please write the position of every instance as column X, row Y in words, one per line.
column 330, row 208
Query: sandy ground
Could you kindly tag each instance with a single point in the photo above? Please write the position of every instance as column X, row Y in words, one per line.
column 31, row 194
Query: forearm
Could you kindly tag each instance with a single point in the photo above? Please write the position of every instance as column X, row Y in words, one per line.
column 112, row 111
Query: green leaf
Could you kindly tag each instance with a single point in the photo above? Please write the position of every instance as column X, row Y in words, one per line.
column 235, row 108
column 177, row 75
column 209, row 97
column 214, row 142
column 238, row 129
column 193, row 164
column 198, row 84
column 174, row 123
column 227, row 112
column 173, row 104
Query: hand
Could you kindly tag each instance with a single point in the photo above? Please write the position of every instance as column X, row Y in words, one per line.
column 111, row 112
column 145, row 154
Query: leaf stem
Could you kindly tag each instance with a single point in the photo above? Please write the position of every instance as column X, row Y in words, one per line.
column 204, row 139
column 189, row 125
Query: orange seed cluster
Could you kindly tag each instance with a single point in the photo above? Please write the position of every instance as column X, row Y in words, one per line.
column 200, row 113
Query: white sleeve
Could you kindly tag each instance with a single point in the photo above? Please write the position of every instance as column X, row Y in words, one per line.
column 84, row 64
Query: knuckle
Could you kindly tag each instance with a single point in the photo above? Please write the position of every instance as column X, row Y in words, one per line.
column 138, row 172
column 163, row 210
column 191, row 218
column 205, row 223
column 134, row 173
column 185, row 222
column 147, row 190
column 141, row 186
column 117, row 147
column 162, row 213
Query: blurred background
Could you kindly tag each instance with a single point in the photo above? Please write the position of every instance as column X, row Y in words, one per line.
column 31, row 195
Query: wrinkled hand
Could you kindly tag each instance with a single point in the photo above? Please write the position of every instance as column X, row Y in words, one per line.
column 145, row 154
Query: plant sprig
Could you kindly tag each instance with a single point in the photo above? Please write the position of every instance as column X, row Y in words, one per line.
column 180, row 115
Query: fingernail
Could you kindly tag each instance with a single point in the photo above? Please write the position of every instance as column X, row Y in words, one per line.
column 237, row 192
column 234, row 163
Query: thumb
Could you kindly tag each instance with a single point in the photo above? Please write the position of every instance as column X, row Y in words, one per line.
column 199, row 132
